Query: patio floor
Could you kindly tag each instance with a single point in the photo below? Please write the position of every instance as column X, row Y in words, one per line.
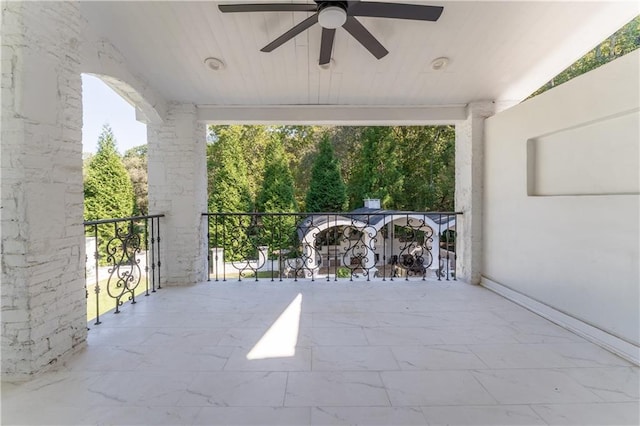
column 391, row 353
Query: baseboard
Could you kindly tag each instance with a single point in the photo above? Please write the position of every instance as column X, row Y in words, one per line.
column 614, row 344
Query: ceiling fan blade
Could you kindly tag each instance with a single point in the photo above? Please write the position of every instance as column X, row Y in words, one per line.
column 395, row 10
column 326, row 45
column 291, row 33
column 268, row 7
column 360, row 33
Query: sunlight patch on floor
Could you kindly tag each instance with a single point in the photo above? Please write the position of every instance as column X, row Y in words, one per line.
column 281, row 338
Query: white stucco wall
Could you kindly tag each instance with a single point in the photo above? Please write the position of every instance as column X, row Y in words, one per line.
column 469, row 187
column 102, row 59
column 561, row 198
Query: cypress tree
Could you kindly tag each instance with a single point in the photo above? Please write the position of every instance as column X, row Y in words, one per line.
column 108, row 192
column 227, row 174
column 277, row 195
column 229, row 192
column 326, row 189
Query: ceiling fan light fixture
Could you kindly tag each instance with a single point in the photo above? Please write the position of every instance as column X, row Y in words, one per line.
column 332, row 17
column 214, row 64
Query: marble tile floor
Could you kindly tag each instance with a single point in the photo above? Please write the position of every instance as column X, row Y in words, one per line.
column 367, row 353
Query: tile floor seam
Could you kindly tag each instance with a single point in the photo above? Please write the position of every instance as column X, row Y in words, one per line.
column 533, row 408
column 224, row 366
column 469, row 347
column 196, row 416
column 186, row 390
column 535, row 413
column 580, row 403
column 386, row 390
column 286, row 387
column 483, row 386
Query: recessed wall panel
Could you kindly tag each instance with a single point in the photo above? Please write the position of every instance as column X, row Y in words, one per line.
column 598, row 158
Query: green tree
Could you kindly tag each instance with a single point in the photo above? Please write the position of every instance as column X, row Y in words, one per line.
column 277, row 195
column 346, row 144
column 623, row 41
column 300, row 144
column 377, row 172
column 229, row 191
column 427, row 162
column 252, row 141
column 108, row 192
column 135, row 161
column 326, row 189
column 86, row 159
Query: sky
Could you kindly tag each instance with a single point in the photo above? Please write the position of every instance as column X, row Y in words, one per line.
column 102, row 105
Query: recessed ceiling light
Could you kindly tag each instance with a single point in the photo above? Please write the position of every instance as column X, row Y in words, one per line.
column 439, row 64
column 214, row 64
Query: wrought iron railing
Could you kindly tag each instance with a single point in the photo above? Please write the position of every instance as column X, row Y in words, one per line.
column 123, row 261
column 366, row 245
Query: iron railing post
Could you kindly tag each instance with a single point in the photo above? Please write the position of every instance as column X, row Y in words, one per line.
column 125, row 242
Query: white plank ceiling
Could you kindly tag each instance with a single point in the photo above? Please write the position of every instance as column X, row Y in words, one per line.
column 499, row 51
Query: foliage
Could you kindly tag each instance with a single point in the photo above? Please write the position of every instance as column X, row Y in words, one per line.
column 86, row 159
column 377, row 173
column 277, row 192
column 326, row 190
column 623, row 41
column 229, row 190
column 427, row 162
column 135, row 161
column 408, row 168
column 108, row 192
column 250, row 143
column 300, row 144
column 343, row 272
column 346, row 142
column 228, row 176
column 277, row 195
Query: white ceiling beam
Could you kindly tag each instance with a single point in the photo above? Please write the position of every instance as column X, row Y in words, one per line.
column 356, row 115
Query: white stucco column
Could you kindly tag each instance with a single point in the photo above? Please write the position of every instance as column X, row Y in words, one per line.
column 44, row 315
column 178, row 188
column 469, row 187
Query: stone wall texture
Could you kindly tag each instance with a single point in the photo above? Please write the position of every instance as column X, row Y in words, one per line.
column 178, row 189
column 43, row 254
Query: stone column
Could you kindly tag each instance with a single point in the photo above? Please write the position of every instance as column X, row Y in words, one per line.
column 178, row 188
column 44, row 315
column 469, row 190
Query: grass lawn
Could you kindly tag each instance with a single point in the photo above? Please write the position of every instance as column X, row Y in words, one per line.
column 106, row 302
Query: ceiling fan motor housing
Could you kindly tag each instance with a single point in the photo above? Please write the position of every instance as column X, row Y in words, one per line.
column 332, row 14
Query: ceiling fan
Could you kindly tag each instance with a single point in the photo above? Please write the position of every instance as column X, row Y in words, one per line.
column 335, row 14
